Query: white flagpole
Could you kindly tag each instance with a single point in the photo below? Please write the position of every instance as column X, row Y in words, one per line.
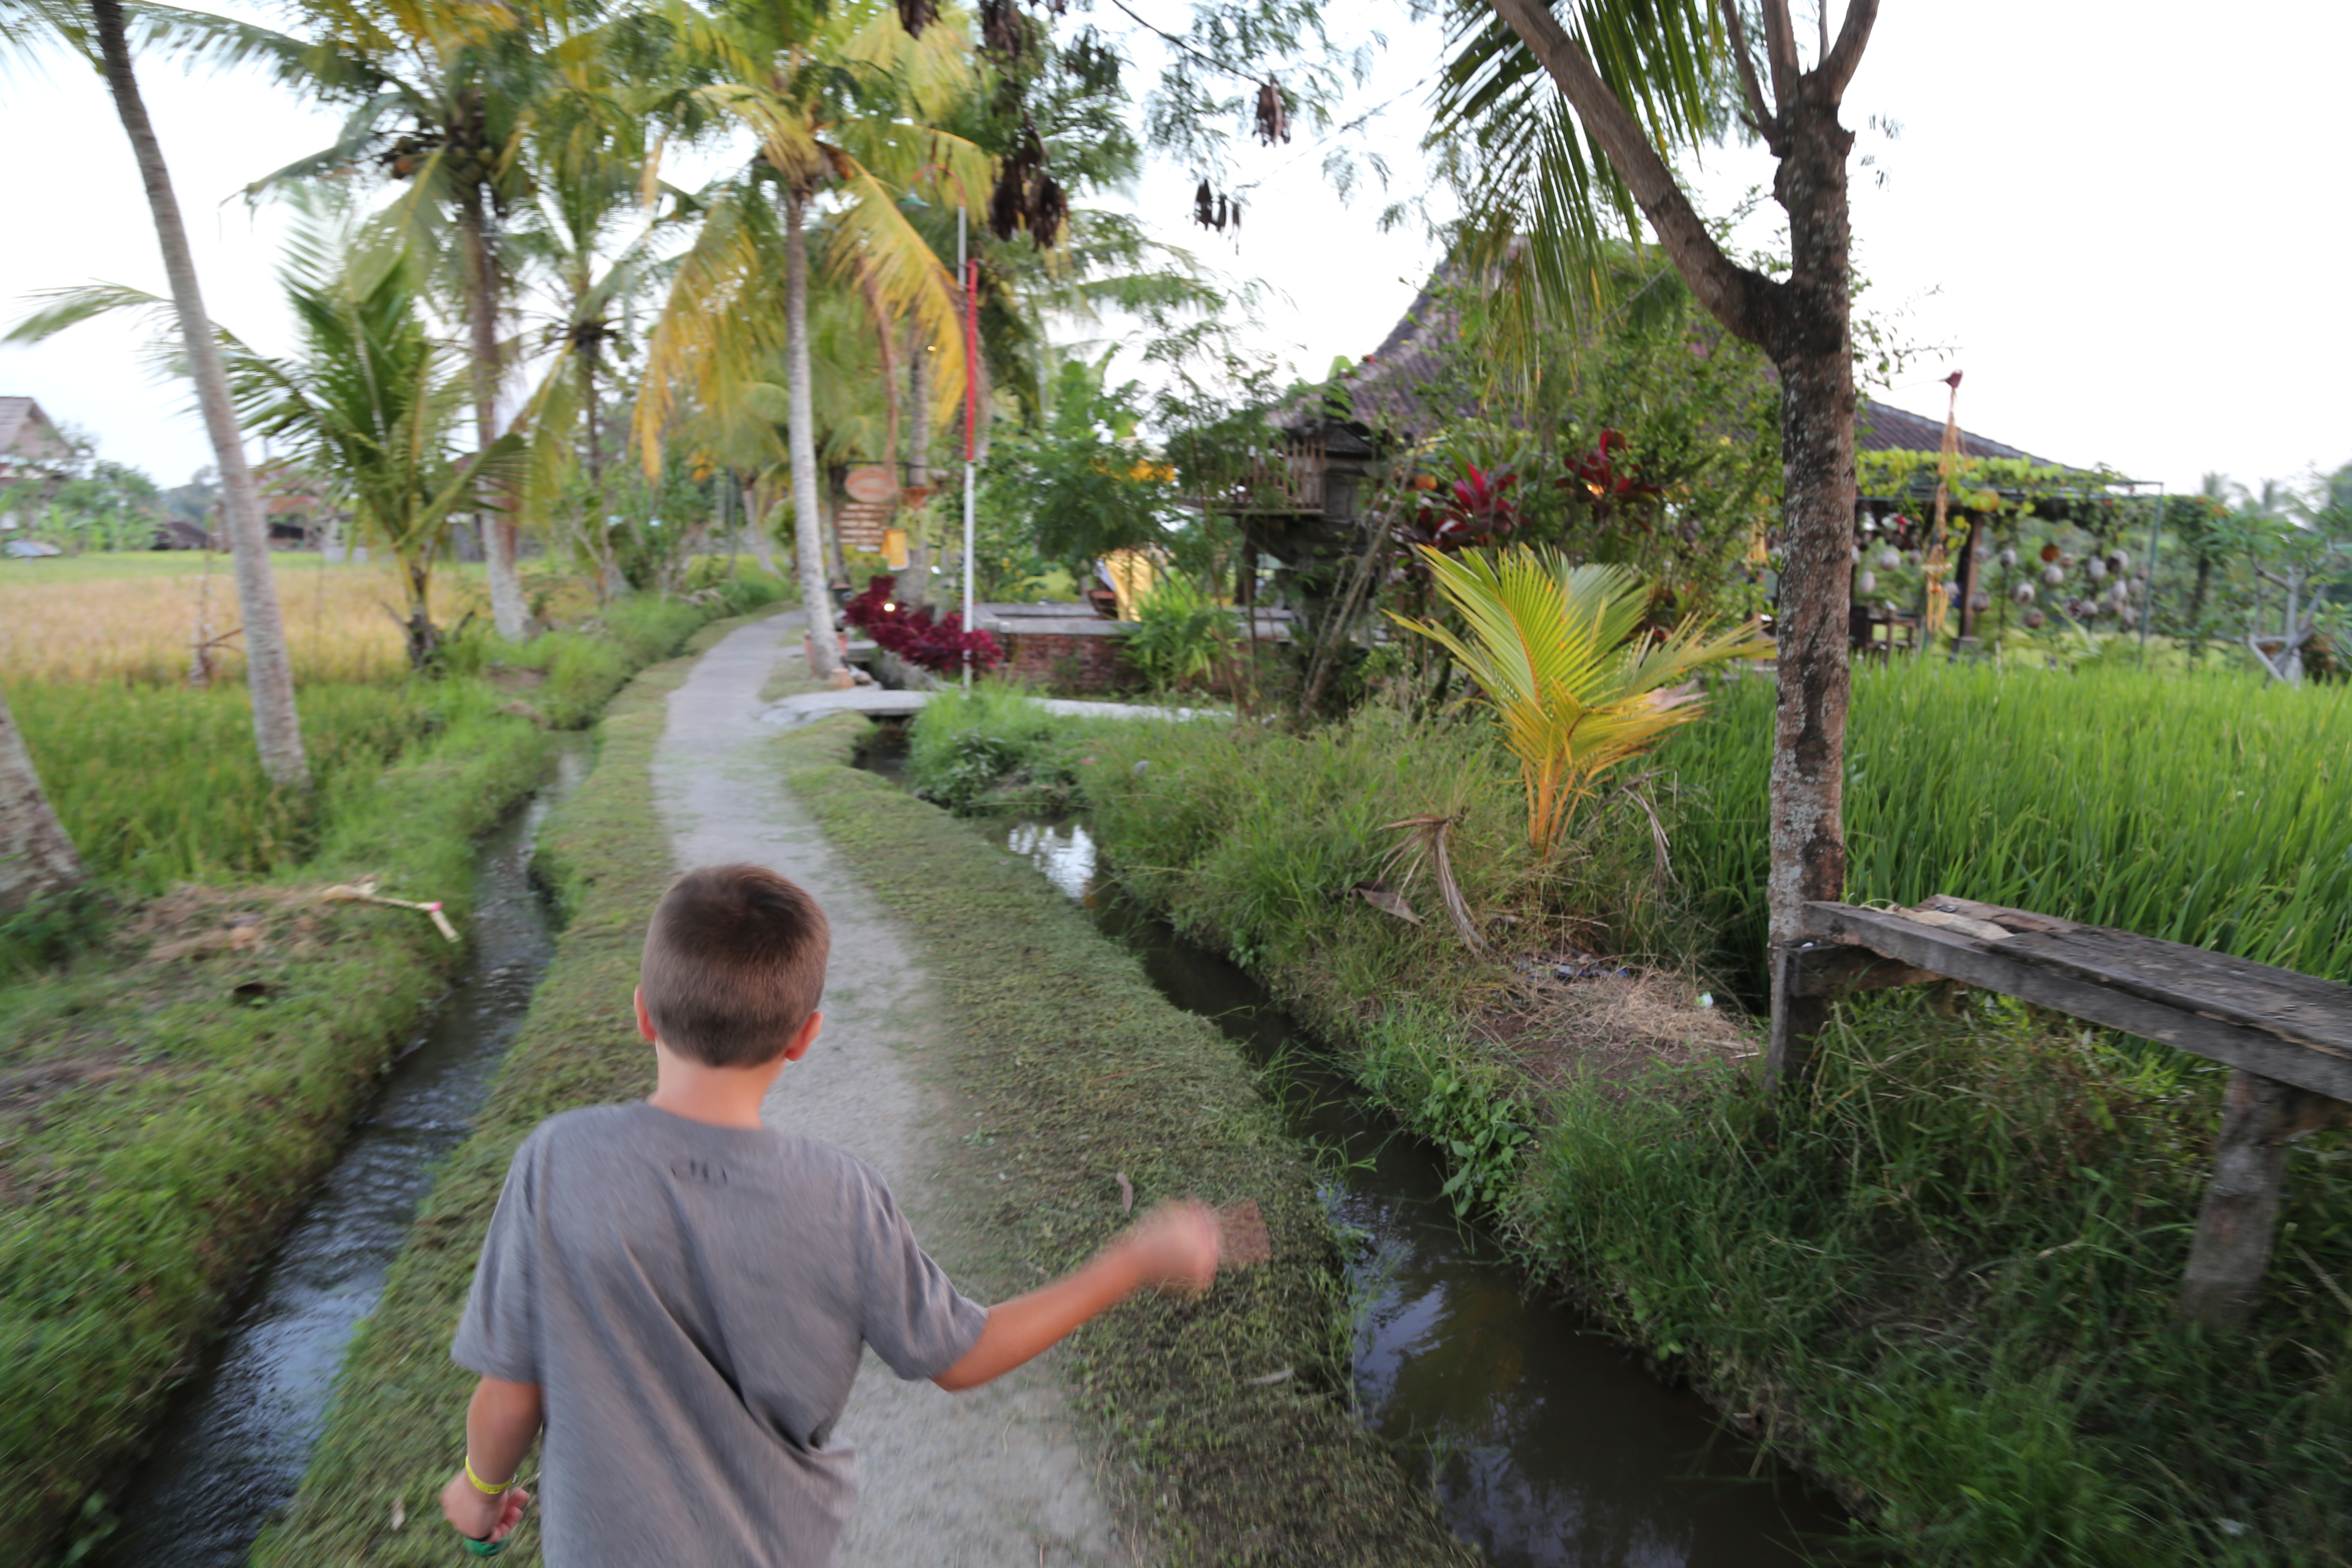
column 970, row 372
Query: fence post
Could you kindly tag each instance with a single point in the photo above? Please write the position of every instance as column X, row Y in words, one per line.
column 1797, row 1019
column 2259, row 1116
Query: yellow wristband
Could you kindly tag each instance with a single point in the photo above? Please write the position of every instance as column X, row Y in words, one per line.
column 481, row 1485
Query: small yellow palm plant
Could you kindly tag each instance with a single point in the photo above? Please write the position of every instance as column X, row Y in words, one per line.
column 1555, row 651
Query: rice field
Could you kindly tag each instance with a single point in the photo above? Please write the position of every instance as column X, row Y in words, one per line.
column 135, row 617
column 2211, row 810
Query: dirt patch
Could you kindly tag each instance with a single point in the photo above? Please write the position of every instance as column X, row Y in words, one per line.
column 194, row 921
column 507, row 678
column 1614, row 1026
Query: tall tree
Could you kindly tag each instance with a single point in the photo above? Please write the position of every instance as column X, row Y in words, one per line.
column 847, row 106
column 370, row 401
column 270, row 669
column 443, row 94
column 1633, row 80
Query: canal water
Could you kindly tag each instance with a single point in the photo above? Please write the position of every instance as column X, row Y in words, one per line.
column 239, row 1432
column 1545, row 1442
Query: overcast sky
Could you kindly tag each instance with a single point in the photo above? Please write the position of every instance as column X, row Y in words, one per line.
column 2126, row 224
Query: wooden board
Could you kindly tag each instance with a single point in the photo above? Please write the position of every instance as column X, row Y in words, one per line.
column 2273, row 1022
column 862, row 525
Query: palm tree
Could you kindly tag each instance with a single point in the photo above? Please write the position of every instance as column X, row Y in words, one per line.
column 269, row 670
column 844, row 104
column 1576, row 686
column 371, row 400
column 588, row 179
column 443, row 97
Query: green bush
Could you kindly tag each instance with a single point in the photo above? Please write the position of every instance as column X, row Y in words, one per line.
column 1180, row 634
column 992, row 749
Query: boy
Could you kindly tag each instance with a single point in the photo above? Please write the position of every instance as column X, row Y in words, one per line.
column 676, row 1295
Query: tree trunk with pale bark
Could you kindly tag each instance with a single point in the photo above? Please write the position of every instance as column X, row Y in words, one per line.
column 808, row 524
column 1803, row 321
column 270, row 669
column 36, row 856
column 510, row 612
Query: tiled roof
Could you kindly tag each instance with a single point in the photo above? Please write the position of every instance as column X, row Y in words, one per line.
column 1883, row 427
column 1390, row 388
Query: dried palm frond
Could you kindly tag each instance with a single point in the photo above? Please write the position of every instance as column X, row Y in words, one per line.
column 1427, row 840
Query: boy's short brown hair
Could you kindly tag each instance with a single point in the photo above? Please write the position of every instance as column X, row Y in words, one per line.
column 734, row 965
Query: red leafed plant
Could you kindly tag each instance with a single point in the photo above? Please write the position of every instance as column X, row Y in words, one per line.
column 1600, row 480
column 1475, row 509
column 938, row 646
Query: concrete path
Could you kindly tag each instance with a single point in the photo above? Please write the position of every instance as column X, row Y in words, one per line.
column 882, row 703
column 992, row 1478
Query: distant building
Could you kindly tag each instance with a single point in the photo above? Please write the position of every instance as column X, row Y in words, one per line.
column 30, row 443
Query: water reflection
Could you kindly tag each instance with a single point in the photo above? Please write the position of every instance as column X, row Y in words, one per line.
column 1546, row 1444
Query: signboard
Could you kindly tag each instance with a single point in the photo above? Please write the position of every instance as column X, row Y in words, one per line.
column 871, row 482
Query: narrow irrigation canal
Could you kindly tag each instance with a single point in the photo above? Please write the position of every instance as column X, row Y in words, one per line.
column 1547, row 1444
column 239, row 1433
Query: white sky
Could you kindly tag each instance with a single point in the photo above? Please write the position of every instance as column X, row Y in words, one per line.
column 2128, row 224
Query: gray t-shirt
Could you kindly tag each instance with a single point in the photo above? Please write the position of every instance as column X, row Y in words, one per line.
column 692, row 1301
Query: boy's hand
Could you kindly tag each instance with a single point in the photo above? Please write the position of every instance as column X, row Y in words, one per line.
column 478, row 1514
column 1175, row 1245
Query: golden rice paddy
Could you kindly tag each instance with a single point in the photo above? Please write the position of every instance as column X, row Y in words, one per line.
column 140, row 618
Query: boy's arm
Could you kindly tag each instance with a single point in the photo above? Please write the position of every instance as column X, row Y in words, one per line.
column 1175, row 1245
column 500, row 1422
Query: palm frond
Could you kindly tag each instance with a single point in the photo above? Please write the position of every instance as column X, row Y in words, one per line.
column 1558, row 653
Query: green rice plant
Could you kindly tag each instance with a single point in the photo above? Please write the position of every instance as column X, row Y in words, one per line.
column 2209, row 811
column 158, row 784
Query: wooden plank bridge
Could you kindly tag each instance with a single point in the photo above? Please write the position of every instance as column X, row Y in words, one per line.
column 2287, row 1036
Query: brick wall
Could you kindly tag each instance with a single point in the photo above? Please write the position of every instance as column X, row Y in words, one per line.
column 1090, row 662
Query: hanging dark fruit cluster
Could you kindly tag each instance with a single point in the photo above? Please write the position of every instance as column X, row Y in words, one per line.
column 916, row 15
column 1216, row 210
column 1273, row 118
column 1027, row 196
column 407, row 156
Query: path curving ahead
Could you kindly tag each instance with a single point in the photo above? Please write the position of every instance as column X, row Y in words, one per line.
column 992, row 1478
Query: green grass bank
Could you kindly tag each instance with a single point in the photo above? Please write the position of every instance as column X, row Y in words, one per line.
column 179, row 1058
column 1075, row 1068
column 1942, row 1278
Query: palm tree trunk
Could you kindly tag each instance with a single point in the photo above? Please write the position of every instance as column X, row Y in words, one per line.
column 36, row 856
column 269, row 670
column 808, row 526
column 509, row 612
column 755, row 523
column 916, row 589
